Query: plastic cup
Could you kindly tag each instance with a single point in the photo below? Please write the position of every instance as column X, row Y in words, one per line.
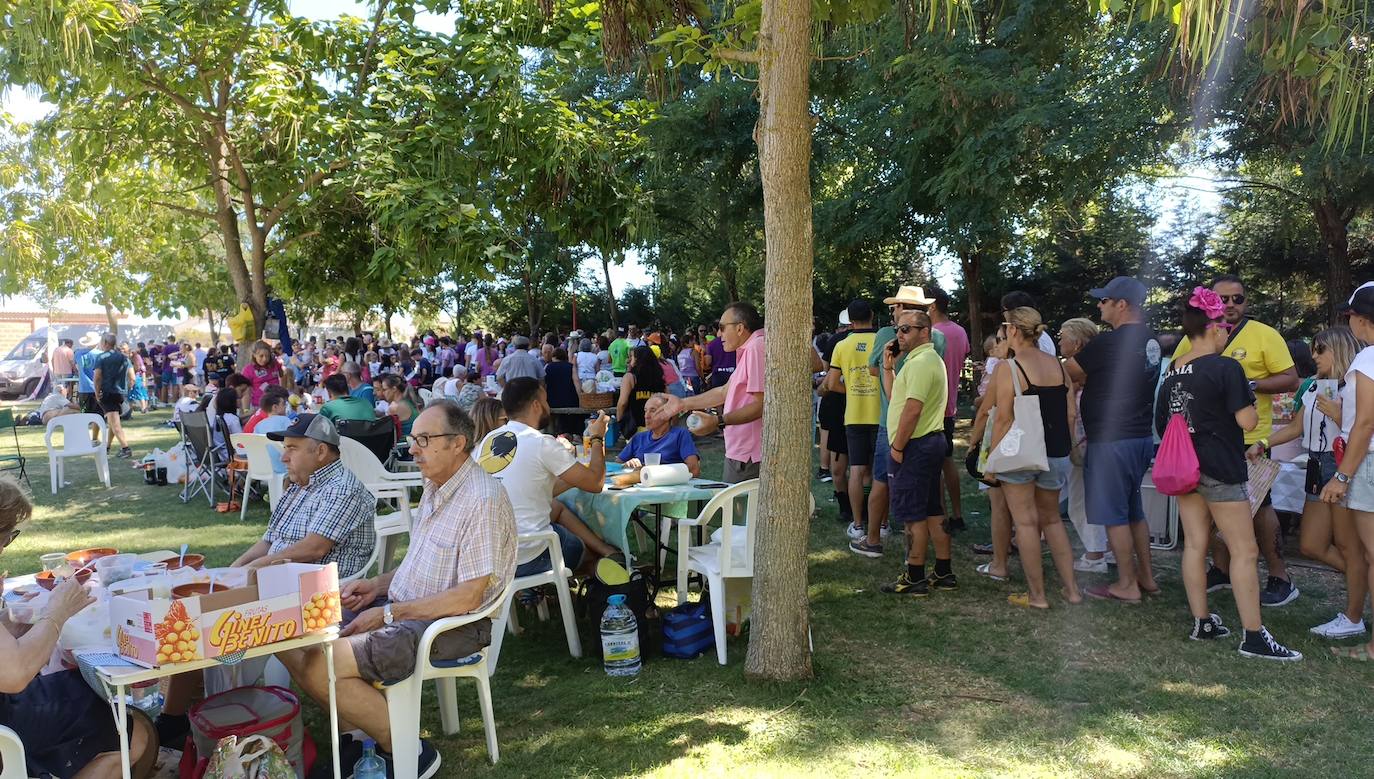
column 653, row 458
column 52, row 560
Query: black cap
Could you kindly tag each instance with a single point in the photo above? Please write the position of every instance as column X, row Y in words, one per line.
column 1361, row 301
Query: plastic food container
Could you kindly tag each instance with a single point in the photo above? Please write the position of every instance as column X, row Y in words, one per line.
column 116, row 568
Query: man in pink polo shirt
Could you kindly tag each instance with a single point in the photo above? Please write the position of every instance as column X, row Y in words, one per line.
column 741, row 418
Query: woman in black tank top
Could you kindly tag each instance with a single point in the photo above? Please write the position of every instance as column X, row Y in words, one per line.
column 1033, row 495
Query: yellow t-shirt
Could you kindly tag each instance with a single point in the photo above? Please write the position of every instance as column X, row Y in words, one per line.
column 1262, row 352
column 861, row 387
column 922, row 378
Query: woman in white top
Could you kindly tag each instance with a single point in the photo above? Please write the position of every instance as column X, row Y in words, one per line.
column 1318, row 427
column 1074, row 334
column 1353, row 482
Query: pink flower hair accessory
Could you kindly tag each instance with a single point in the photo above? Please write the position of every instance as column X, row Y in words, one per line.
column 1208, row 302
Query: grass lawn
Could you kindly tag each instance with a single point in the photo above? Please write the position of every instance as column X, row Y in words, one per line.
column 960, row 684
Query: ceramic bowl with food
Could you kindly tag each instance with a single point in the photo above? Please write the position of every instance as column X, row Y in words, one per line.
column 47, row 581
column 82, row 557
column 193, row 589
column 195, row 561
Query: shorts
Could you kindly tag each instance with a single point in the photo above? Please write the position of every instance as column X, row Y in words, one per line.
column 882, row 448
column 1053, row 479
column 830, row 415
column 1327, row 462
column 736, row 471
column 949, row 436
column 572, row 554
column 1112, row 473
column 1360, row 496
column 111, row 403
column 1214, row 491
column 387, row 654
column 167, row 377
column 861, row 439
column 86, row 400
column 62, row 722
column 913, row 485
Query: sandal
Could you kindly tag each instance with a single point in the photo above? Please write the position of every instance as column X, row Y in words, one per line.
column 986, row 570
column 1022, row 600
column 1358, row 653
column 1103, row 592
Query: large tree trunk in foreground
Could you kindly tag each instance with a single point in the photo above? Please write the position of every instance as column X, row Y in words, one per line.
column 1335, row 232
column 779, row 641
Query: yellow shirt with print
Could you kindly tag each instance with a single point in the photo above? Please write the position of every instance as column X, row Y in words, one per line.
column 850, row 358
column 922, row 378
column 1262, row 352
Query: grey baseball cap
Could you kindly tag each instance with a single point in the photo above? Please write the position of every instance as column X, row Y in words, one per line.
column 311, row 426
column 1122, row 288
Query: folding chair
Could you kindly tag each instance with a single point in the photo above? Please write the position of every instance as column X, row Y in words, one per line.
column 11, row 462
column 378, row 435
column 202, row 466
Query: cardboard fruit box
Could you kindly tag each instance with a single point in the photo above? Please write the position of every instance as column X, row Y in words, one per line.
column 279, row 602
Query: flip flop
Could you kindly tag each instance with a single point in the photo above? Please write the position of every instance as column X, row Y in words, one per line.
column 1102, row 592
column 986, row 570
column 1155, row 591
column 1022, row 600
column 1358, row 653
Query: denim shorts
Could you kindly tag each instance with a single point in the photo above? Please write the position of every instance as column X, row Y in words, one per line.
column 914, row 483
column 1112, row 473
column 1214, row 491
column 1327, row 462
column 881, row 450
column 1360, row 496
column 1053, row 479
column 572, row 554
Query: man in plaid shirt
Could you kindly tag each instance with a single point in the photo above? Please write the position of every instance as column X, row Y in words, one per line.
column 460, row 558
column 326, row 514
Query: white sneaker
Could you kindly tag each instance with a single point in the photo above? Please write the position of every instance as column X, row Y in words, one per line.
column 855, row 532
column 1339, row 627
column 1087, row 565
column 1109, row 557
column 884, row 531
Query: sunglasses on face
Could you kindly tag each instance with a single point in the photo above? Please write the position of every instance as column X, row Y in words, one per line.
column 1319, row 348
column 1236, row 299
column 904, row 329
column 1104, row 301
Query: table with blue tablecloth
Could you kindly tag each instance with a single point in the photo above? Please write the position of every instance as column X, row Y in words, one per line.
column 609, row 513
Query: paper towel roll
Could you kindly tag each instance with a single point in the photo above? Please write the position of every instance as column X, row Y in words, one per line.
column 663, row 475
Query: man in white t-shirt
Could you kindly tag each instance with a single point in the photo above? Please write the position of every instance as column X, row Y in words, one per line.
column 534, row 467
column 1016, row 299
column 57, row 404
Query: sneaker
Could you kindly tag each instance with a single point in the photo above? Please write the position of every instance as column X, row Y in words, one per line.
column 1278, row 593
column 350, row 752
column 427, row 767
column 125, row 453
column 822, row 474
column 905, row 586
column 855, row 532
column 948, row 582
column 1217, row 579
column 1265, row 647
column 884, row 531
column 1208, row 629
column 1087, row 565
column 1340, row 627
column 860, row 546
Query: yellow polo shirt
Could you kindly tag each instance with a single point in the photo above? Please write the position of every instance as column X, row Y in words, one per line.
column 850, row 358
column 922, row 378
column 1262, row 352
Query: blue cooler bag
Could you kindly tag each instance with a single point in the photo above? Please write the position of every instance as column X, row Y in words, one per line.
column 687, row 632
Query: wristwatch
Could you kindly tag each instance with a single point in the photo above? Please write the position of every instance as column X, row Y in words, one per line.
column 387, row 619
column 1254, row 385
column 1342, row 478
column 720, row 419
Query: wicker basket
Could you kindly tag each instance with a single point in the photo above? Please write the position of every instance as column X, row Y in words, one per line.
column 598, row 399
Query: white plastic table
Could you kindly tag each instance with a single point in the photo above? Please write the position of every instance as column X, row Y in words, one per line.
column 121, row 678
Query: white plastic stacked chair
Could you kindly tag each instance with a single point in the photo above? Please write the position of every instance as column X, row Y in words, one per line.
column 12, row 755
column 729, row 555
column 404, row 698
column 557, row 575
column 256, row 448
column 394, row 488
column 76, row 442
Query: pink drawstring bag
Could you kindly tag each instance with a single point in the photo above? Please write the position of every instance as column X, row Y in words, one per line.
column 1176, row 470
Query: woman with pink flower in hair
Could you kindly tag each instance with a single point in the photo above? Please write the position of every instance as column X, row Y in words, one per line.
column 1213, row 396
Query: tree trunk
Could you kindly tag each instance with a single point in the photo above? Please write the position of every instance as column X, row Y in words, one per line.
column 610, row 293
column 112, row 317
column 210, row 323
column 779, row 641
column 1335, row 232
column 357, row 324
column 972, row 263
column 731, row 280
column 531, row 309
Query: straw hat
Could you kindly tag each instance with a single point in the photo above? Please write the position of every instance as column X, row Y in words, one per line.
column 911, row 296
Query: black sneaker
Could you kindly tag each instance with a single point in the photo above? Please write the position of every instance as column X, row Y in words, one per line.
column 428, row 764
column 822, row 474
column 350, row 752
column 1208, row 629
column 948, row 582
column 125, row 453
column 1217, row 579
column 905, row 586
column 172, row 730
column 861, row 546
column 1278, row 593
column 1263, row 646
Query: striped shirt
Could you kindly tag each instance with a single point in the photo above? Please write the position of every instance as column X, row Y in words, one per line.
column 333, row 504
column 465, row 530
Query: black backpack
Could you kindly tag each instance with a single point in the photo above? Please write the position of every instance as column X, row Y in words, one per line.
column 639, row 593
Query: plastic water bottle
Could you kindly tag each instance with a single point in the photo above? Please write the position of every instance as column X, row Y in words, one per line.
column 369, row 766
column 619, row 638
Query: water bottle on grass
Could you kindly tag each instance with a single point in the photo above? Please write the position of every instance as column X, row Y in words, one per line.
column 619, row 638
column 369, row 766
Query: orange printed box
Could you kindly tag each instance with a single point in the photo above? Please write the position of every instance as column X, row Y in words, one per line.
column 279, row 602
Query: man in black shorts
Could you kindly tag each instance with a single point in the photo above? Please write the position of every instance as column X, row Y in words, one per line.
column 831, row 416
column 114, row 374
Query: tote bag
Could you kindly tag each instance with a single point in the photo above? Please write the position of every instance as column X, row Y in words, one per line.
column 1023, row 446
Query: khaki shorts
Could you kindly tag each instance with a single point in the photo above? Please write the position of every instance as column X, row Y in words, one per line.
column 387, row 654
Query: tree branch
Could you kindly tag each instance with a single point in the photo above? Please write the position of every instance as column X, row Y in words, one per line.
column 280, row 247
column 274, row 214
column 185, row 210
column 736, row 55
column 190, row 109
column 365, row 67
column 1252, row 184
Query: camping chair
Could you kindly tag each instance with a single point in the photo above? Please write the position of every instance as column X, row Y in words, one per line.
column 76, row 442
column 256, row 449
column 202, row 465
column 11, row 462
column 377, row 435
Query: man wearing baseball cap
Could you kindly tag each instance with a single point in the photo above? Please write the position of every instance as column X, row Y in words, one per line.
column 1118, row 370
column 325, row 515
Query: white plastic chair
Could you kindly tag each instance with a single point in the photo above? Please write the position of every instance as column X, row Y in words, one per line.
column 425, row 396
column 403, row 699
column 394, row 488
column 729, row 555
column 256, row 448
column 11, row 755
column 76, row 442
column 557, row 575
